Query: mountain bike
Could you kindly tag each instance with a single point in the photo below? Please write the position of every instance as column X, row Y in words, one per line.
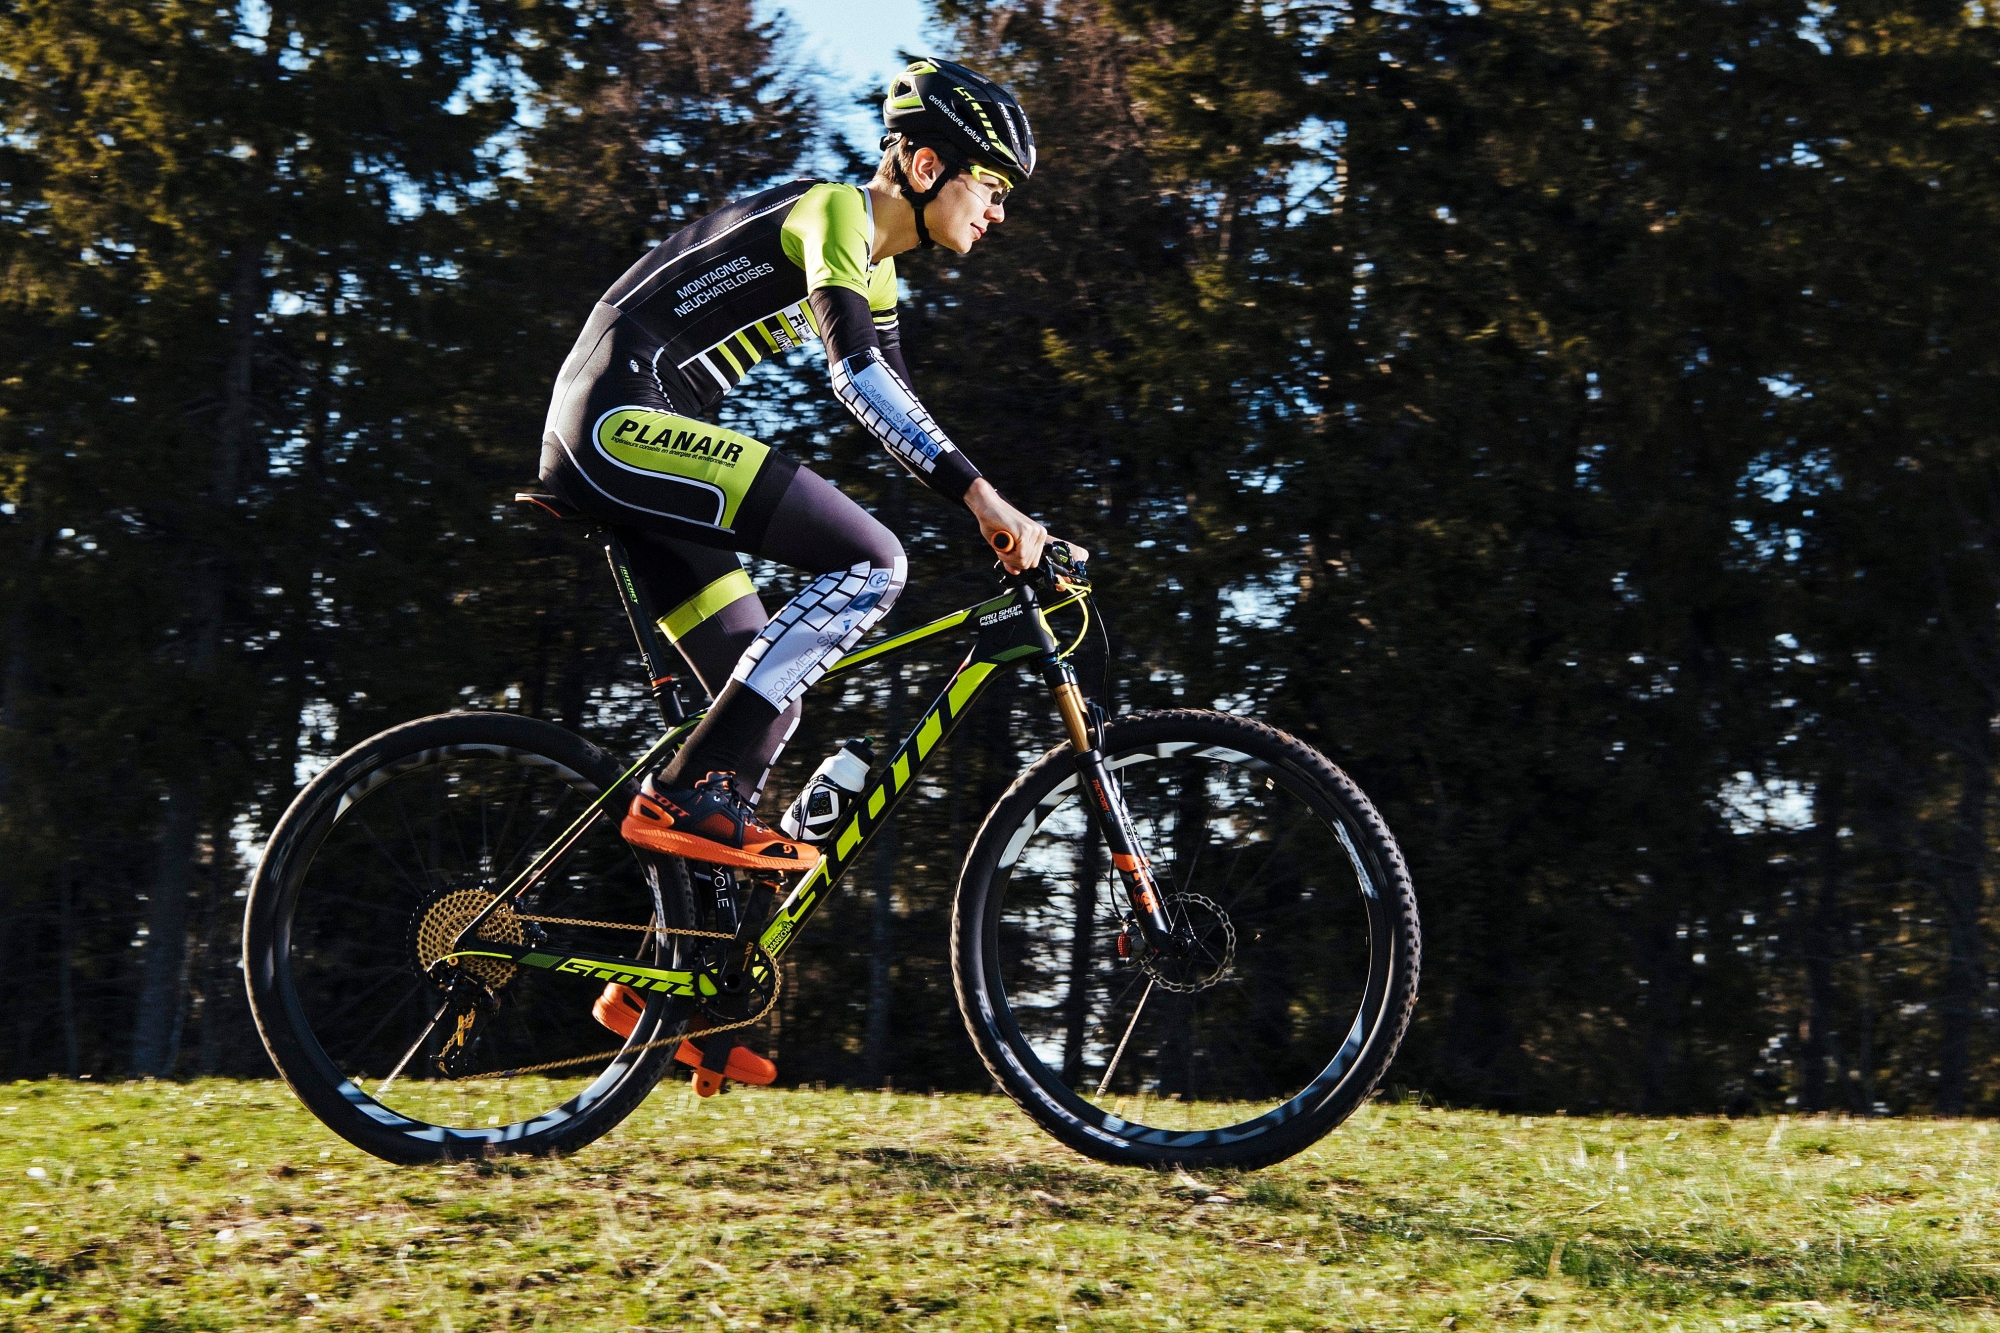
column 1180, row 938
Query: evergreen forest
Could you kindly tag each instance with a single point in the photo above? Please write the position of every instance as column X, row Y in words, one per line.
column 1571, row 416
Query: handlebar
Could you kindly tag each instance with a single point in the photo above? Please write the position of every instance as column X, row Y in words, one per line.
column 1058, row 559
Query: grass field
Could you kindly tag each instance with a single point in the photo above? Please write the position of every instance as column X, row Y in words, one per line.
column 222, row 1205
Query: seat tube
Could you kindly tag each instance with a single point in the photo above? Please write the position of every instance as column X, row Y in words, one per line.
column 1106, row 802
column 645, row 621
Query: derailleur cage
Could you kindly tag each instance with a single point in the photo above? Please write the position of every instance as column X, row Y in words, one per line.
column 467, row 1007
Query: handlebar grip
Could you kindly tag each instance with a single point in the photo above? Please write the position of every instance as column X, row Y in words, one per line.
column 1003, row 542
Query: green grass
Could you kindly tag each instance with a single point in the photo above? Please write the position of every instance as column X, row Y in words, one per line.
column 223, row 1205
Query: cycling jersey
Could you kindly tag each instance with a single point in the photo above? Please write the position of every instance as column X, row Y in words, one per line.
column 626, row 442
column 761, row 276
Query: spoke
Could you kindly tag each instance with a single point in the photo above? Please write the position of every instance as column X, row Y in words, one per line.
column 1119, row 1054
column 450, row 821
column 327, row 1023
column 403, row 816
column 533, row 839
column 415, row 1046
column 1130, row 978
column 363, row 905
column 360, row 1048
column 387, row 855
column 485, row 857
column 1186, row 884
column 522, row 797
column 1277, row 846
column 1251, row 1064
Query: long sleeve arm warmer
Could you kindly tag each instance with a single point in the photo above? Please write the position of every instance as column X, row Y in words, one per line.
column 869, row 380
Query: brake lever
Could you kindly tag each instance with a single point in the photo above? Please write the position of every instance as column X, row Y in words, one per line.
column 1058, row 561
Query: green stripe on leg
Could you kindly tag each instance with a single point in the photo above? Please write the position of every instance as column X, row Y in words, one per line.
column 729, row 588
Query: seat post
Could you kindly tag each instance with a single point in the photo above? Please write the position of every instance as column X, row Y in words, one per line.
column 645, row 622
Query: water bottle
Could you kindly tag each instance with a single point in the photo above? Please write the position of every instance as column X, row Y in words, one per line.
column 830, row 793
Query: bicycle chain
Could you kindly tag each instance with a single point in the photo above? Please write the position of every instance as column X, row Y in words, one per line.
column 777, row 989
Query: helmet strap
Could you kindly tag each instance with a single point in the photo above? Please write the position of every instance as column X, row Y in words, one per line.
column 918, row 198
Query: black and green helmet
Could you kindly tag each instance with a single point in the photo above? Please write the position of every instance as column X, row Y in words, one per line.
column 966, row 119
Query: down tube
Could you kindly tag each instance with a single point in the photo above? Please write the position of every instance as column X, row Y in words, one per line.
column 843, row 849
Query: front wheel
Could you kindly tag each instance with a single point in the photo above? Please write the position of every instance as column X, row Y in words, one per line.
column 1291, row 999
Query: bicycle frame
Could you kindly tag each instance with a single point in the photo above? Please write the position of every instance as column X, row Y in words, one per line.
column 1011, row 628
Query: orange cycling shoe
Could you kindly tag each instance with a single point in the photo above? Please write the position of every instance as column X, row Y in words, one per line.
column 619, row 1008
column 711, row 822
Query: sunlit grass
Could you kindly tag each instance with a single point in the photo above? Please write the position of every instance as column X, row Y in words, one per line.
column 223, row 1205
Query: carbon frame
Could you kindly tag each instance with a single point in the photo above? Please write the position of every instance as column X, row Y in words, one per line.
column 1012, row 627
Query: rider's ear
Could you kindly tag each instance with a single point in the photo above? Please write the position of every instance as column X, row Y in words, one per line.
column 925, row 165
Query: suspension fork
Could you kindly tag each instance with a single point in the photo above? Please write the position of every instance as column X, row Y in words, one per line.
column 1105, row 800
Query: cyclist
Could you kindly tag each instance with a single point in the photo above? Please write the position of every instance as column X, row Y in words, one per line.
column 628, row 440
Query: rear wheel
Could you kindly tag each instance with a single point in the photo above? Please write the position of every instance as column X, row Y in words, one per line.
column 1277, row 1021
column 377, row 867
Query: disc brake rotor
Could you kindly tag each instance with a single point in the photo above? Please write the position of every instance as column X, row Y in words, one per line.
column 1209, row 946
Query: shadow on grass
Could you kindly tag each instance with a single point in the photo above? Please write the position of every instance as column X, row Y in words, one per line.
column 944, row 1171
column 1901, row 1276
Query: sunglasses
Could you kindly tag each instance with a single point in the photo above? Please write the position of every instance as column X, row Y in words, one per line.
column 1002, row 187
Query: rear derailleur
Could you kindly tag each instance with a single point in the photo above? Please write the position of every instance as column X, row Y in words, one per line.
column 468, row 1005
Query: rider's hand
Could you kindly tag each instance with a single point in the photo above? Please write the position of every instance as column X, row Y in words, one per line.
column 995, row 516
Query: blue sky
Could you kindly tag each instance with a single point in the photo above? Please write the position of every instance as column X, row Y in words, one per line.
column 855, row 42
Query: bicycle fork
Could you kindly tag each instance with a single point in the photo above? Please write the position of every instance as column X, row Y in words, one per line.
column 1105, row 800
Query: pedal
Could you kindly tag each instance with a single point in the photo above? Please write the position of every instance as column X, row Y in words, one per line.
column 718, row 1058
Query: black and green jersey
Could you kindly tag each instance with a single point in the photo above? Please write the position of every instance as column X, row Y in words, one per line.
column 769, row 273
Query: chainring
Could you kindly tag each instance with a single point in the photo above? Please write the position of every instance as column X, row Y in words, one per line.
column 736, row 980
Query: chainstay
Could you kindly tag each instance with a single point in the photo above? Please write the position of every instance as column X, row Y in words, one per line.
column 777, row 990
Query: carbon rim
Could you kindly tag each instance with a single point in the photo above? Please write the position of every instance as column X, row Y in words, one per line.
column 1278, row 1039
column 443, row 827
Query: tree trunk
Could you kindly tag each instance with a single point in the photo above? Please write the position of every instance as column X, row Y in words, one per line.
column 1964, row 894
column 162, row 974
column 163, row 984
column 1819, row 1052
column 14, row 677
column 1076, row 1006
column 877, row 1055
column 213, row 959
column 13, row 684
column 66, row 967
column 1666, row 965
